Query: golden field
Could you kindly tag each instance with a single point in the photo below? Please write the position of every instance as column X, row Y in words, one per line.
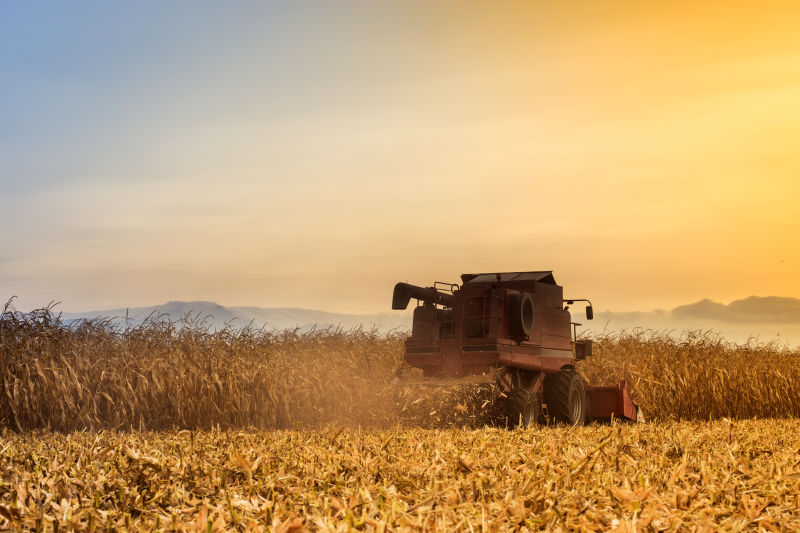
column 170, row 426
column 166, row 375
column 666, row 476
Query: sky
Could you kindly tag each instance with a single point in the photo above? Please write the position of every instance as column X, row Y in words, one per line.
column 312, row 154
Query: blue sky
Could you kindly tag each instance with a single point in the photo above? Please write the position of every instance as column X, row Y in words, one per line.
column 91, row 86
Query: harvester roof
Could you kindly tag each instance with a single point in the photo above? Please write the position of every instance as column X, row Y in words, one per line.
column 542, row 276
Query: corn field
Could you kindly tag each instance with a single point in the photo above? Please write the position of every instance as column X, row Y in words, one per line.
column 665, row 476
column 180, row 375
column 172, row 426
column 699, row 375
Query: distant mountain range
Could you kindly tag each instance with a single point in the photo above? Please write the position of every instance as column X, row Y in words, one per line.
column 217, row 316
column 768, row 318
column 764, row 318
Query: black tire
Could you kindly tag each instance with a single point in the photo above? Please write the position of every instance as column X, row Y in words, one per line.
column 565, row 398
column 522, row 409
column 522, row 403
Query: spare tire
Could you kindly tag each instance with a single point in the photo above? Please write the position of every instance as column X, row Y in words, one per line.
column 520, row 316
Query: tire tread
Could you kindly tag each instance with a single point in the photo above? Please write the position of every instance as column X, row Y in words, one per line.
column 556, row 395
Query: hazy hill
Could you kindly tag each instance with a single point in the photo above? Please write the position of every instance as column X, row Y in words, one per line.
column 767, row 318
column 217, row 316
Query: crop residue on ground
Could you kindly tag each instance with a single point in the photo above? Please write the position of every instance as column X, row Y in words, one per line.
column 658, row 477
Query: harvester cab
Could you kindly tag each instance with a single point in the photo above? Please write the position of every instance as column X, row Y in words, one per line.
column 513, row 329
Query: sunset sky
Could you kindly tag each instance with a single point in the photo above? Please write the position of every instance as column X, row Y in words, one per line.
column 311, row 154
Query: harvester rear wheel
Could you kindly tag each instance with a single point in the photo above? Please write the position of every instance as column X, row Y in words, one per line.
column 522, row 403
column 565, row 398
column 522, row 409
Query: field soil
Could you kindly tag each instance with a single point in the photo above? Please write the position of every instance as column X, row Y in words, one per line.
column 668, row 476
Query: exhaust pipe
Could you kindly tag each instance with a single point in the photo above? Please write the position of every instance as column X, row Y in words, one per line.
column 403, row 292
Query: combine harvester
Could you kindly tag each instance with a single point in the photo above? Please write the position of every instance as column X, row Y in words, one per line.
column 512, row 329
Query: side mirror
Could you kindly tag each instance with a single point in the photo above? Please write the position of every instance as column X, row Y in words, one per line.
column 589, row 312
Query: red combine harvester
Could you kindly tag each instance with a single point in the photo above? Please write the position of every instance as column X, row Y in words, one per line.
column 512, row 329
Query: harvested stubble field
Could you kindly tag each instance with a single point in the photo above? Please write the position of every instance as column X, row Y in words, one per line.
column 171, row 425
column 665, row 476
